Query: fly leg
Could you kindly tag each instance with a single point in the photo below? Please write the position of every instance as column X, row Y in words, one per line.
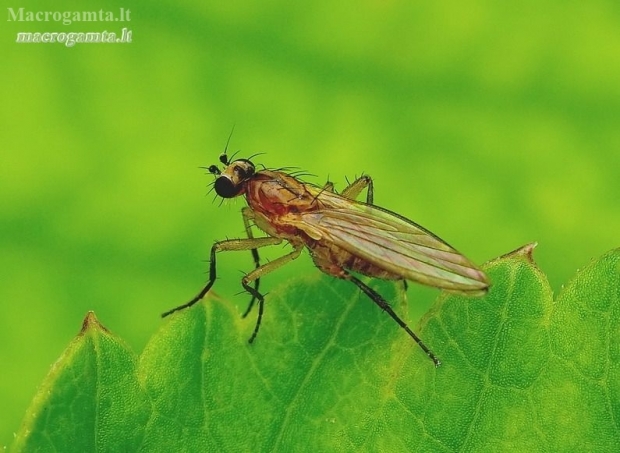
column 248, row 215
column 383, row 304
column 405, row 287
column 355, row 188
column 352, row 191
column 259, row 272
column 227, row 245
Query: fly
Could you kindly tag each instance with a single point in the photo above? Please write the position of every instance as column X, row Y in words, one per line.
column 343, row 236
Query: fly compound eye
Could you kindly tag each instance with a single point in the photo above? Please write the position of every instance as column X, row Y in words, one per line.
column 225, row 188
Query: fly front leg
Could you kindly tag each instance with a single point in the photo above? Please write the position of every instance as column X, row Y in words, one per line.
column 248, row 216
column 353, row 190
column 385, row 306
column 227, row 245
column 258, row 273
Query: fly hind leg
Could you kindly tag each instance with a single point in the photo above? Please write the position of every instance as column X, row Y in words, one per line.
column 383, row 304
column 353, row 190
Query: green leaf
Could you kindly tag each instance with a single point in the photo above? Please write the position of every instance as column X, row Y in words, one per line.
column 90, row 400
column 331, row 372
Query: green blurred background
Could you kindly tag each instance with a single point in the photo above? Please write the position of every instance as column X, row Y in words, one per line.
column 491, row 124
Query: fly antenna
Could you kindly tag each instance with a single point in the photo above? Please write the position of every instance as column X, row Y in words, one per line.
column 223, row 156
column 213, row 170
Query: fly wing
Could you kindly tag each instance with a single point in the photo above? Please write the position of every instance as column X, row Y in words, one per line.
column 393, row 243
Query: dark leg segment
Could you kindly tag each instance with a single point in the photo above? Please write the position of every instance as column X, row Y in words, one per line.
column 228, row 245
column 256, row 274
column 261, row 306
column 247, row 216
column 382, row 303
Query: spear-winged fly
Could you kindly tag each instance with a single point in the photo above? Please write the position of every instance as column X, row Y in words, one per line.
column 343, row 236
